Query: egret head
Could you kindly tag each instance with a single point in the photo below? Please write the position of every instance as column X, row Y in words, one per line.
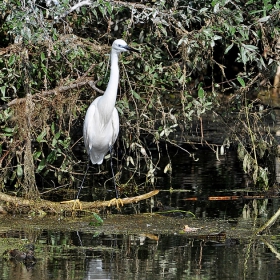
column 120, row 45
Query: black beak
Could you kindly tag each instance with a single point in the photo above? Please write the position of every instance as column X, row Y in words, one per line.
column 131, row 49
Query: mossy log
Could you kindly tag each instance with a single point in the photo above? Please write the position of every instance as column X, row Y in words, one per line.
column 12, row 204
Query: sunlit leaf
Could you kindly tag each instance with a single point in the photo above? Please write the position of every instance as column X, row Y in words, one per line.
column 167, row 168
column 19, row 170
column 228, row 48
column 264, row 19
column 3, row 90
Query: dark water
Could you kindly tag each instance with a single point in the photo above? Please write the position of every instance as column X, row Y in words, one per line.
column 137, row 257
column 205, row 177
column 78, row 252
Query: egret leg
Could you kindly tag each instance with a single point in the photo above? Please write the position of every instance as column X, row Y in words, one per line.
column 77, row 201
column 114, row 180
column 81, row 186
column 117, row 199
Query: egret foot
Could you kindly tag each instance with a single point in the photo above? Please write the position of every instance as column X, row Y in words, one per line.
column 117, row 201
column 75, row 202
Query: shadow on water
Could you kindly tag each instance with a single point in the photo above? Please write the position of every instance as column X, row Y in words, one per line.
column 155, row 246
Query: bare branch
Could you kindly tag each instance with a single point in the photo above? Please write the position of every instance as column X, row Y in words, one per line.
column 77, row 84
column 75, row 7
column 93, row 85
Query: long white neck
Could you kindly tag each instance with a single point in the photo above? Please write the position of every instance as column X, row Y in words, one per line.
column 108, row 99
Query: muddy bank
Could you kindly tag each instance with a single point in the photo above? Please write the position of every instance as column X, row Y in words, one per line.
column 129, row 224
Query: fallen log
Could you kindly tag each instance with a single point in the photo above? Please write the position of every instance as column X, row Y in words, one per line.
column 13, row 204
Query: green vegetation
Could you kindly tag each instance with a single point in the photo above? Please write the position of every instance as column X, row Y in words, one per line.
column 192, row 54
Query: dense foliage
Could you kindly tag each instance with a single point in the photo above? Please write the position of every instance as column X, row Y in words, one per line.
column 192, row 54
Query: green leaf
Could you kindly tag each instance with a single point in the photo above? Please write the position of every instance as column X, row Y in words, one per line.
column 41, row 136
column 243, row 54
column 36, row 155
column 98, row 219
column 41, row 165
column 19, row 171
column 43, row 57
column 217, row 37
column 3, row 90
column 53, row 128
column 57, row 135
column 54, row 141
column 136, row 95
column 241, row 81
column 51, row 157
column 251, row 48
column 201, row 93
column 8, row 129
column 228, row 48
column 12, row 60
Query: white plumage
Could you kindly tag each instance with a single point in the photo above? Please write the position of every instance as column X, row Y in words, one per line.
column 101, row 125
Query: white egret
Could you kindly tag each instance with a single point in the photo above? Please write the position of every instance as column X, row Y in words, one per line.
column 101, row 124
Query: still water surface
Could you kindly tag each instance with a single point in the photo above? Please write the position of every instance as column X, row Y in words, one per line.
column 79, row 251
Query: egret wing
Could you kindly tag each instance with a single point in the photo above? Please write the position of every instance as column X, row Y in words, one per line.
column 116, row 126
column 88, row 128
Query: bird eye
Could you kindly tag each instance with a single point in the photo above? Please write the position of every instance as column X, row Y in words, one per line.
column 119, row 45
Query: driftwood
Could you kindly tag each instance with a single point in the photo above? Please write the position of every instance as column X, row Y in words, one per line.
column 232, row 197
column 269, row 223
column 11, row 204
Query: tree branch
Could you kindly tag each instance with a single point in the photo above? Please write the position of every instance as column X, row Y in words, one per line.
column 77, row 84
column 17, row 204
column 75, row 7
